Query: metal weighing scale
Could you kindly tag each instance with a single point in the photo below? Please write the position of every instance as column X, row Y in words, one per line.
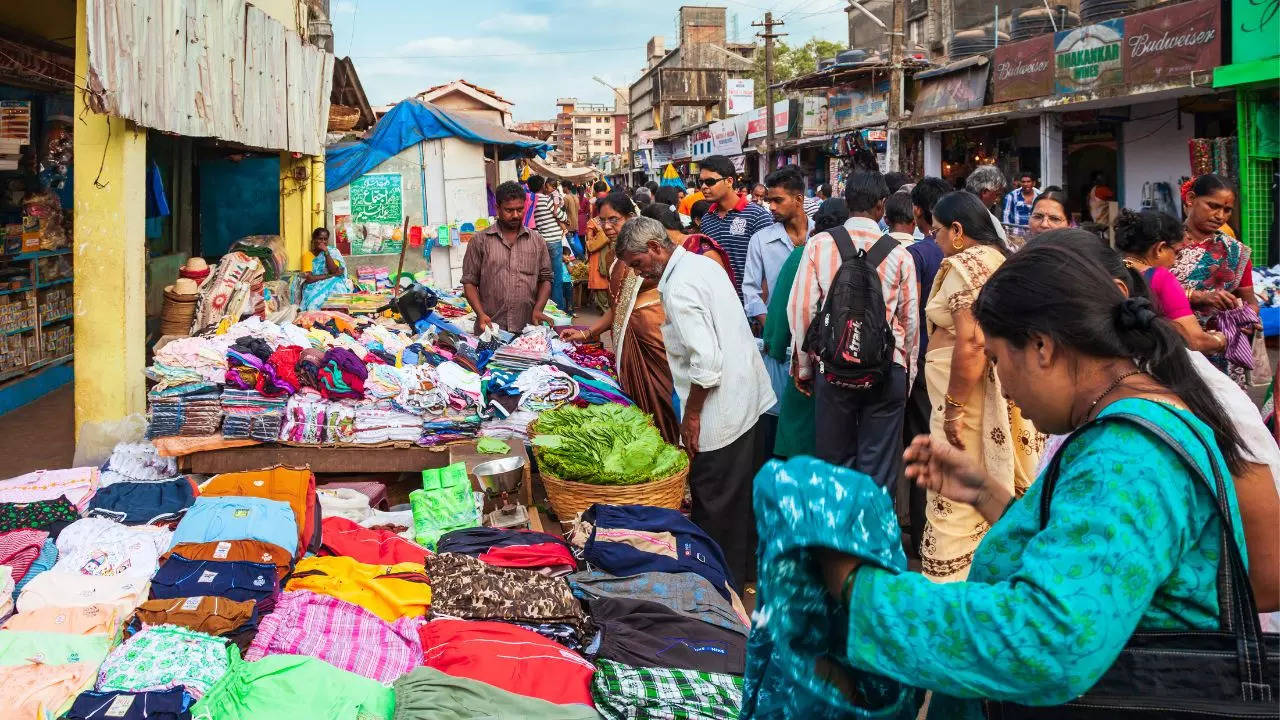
column 500, row 479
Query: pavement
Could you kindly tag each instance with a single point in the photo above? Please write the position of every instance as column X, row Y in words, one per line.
column 39, row 435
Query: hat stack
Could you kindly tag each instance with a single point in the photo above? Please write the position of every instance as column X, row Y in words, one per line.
column 195, row 269
column 180, row 300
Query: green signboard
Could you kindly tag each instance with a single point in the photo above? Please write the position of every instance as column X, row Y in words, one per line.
column 1255, row 30
column 1088, row 58
column 377, row 198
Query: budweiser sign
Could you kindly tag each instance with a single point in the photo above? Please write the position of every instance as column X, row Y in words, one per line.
column 1171, row 43
column 1023, row 69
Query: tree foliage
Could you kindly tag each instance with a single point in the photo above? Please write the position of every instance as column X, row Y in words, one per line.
column 791, row 62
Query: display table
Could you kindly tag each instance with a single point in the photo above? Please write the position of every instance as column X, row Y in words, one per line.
column 348, row 460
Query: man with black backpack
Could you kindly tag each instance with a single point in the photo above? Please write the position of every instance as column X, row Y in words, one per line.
column 855, row 325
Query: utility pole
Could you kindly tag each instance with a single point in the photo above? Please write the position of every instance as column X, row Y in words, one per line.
column 893, row 138
column 769, row 35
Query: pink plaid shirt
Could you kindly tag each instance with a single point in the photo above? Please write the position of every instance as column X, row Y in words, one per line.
column 340, row 633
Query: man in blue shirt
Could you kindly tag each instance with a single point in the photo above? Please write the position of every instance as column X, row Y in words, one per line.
column 769, row 248
column 732, row 218
column 1017, row 204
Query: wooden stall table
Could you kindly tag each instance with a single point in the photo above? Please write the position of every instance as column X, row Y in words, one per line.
column 321, row 460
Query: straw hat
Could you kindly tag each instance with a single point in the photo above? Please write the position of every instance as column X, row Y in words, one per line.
column 183, row 286
column 196, row 264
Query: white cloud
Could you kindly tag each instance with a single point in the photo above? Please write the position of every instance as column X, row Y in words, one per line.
column 342, row 7
column 515, row 22
column 448, row 46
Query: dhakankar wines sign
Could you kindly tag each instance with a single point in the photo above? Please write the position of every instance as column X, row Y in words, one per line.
column 1089, row 58
column 1173, row 42
column 1023, row 69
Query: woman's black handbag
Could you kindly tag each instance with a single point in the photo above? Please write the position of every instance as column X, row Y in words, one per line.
column 1173, row 674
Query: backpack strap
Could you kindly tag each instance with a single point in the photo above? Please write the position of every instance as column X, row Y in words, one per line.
column 844, row 242
column 881, row 250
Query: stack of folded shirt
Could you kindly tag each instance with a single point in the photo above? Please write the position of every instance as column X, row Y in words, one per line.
column 531, row 348
column 137, row 462
column 251, row 415
column 375, row 424
column 448, row 428
column 193, row 414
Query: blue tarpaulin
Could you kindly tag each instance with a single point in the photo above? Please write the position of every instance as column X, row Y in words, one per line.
column 411, row 122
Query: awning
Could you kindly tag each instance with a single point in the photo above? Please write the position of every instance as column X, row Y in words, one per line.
column 571, row 174
column 1247, row 73
column 413, row 121
column 956, row 66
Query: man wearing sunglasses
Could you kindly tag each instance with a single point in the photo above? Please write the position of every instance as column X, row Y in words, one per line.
column 732, row 218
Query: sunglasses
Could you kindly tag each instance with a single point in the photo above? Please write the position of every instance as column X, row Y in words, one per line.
column 709, row 181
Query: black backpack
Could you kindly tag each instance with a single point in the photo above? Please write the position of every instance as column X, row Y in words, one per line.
column 851, row 336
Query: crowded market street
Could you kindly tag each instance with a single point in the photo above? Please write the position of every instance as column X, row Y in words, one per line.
column 881, row 359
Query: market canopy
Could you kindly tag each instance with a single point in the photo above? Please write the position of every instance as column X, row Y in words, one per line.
column 410, row 122
column 570, row 174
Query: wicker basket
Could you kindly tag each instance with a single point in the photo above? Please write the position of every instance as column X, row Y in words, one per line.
column 343, row 117
column 570, row 499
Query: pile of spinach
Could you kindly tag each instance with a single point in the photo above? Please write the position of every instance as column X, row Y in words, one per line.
column 604, row 445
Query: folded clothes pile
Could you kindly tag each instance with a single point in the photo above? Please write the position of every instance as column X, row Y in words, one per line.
column 531, row 348
column 251, row 415
column 376, row 424
column 195, row 414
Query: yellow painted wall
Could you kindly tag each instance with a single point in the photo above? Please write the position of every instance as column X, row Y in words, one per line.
column 301, row 205
column 290, row 13
column 109, row 259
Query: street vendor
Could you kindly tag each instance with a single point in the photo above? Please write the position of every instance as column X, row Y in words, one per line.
column 506, row 273
column 328, row 274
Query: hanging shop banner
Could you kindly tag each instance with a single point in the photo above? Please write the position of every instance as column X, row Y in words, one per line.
column 757, row 124
column 851, row 108
column 377, row 198
column 681, row 148
column 1089, row 58
column 1255, row 30
column 702, row 143
column 661, row 153
column 1173, row 42
column 644, row 139
column 813, row 117
column 725, row 138
column 954, row 92
column 1023, row 69
column 740, row 96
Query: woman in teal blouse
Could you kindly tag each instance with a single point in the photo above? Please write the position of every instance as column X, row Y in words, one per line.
column 1131, row 542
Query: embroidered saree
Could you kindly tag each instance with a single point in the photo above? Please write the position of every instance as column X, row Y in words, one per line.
column 1219, row 263
column 993, row 430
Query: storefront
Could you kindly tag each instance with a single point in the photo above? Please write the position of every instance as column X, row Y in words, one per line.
column 36, row 199
column 1124, row 104
column 1254, row 74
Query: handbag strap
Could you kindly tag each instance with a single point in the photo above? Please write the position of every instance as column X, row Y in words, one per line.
column 1237, row 609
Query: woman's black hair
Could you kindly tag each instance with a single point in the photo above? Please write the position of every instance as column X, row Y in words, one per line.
column 1055, row 194
column 832, row 212
column 666, row 195
column 1060, row 286
column 600, row 186
column 699, row 208
column 1138, row 232
column 619, row 201
column 665, row 215
column 965, row 208
column 316, row 233
column 1210, row 183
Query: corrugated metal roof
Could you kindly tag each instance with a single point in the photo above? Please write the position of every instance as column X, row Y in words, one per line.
column 209, row 68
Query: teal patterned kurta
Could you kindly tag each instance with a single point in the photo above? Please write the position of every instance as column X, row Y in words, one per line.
column 1132, row 542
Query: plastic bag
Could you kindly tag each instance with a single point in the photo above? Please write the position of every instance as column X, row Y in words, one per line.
column 98, row 439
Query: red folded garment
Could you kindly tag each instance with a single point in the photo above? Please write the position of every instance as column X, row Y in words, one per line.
column 19, row 549
column 538, row 555
column 340, row 536
column 509, row 657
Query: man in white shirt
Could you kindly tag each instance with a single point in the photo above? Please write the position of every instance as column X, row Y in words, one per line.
column 720, row 383
column 900, row 216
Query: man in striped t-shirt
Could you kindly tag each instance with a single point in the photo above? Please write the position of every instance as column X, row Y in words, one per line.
column 732, row 218
column 859, row 429
column 549, row 220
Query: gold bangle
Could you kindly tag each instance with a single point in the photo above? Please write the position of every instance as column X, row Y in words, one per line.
column 951, row 402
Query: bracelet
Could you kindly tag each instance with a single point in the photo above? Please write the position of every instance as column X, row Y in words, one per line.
column 951, row 402
column 847, row 587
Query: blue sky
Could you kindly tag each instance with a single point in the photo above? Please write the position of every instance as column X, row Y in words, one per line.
column 533, row 51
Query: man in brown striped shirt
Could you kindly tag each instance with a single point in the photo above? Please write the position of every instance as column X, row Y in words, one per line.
column 506, row 273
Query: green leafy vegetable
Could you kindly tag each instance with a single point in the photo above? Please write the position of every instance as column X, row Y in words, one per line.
column 605, row 445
